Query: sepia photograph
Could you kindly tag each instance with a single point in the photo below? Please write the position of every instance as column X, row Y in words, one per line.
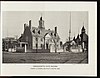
column 45, row 37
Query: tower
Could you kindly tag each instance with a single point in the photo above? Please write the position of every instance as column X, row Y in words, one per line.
column 83, row 30
column 41, row 23
column 84, row 39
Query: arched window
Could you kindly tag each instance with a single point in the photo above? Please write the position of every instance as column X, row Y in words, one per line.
column 47, row 46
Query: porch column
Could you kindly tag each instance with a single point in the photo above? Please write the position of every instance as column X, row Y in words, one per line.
column 25, row 48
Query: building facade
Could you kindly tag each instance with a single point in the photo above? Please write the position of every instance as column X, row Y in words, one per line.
column 9, row 44
column 39, row 38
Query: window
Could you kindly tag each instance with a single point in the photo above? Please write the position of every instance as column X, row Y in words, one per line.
column 60, row 43
column 23, row 45
column 55, row 34
column 36, row 39
column 46, row 45
column 41, row 39
column 39, row 32
column 51, row 34
column 33, row 31
column 41, row 45
column 36, row 45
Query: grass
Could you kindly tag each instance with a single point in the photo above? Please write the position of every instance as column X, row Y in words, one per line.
column 44, row 58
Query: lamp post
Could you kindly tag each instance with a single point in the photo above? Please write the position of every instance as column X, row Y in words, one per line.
column 25, row 48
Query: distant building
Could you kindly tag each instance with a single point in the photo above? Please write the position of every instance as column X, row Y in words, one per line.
column 79, row 44
column 9, row 44
column 39, row 38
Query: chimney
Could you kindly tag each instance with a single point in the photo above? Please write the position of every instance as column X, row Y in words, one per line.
column 24, row 26
column 55, row 31
column 30, row 24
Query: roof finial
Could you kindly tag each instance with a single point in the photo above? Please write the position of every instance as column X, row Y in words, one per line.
column 83, row 23
column 83, row 26
column 41, row 17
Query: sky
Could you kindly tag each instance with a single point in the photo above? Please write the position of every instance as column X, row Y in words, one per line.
column 13, row 22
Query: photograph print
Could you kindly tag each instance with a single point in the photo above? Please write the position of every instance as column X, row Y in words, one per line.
column 56, row 37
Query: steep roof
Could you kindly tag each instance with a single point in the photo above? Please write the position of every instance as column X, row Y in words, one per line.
column 67, row 43
column 41, row 32
column 26, row 32
column 83, row 28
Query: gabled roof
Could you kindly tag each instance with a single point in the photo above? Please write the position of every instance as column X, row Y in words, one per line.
column 41, row 32
column 20, row 38
column 67, row 42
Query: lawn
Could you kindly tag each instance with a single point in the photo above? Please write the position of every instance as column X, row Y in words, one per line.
column 63, row 57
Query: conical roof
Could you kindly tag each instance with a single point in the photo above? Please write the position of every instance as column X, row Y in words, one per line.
column 41, row 18
column 83, row 28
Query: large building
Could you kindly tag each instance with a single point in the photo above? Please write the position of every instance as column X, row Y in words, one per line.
column 39, row 38
column 84, row 39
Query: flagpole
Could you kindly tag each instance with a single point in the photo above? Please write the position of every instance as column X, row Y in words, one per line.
column 69, row 31
column 70, row 27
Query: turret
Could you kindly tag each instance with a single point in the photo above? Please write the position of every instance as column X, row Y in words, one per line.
column 83, row 30
column 41, row 23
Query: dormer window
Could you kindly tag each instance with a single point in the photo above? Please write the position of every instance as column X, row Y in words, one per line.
column 33, row 31
column 55, row 34
column 39, row 32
